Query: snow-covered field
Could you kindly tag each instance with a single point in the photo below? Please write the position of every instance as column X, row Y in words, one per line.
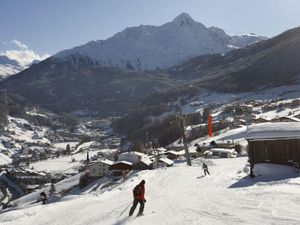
column 179, row 195
column 65, row 163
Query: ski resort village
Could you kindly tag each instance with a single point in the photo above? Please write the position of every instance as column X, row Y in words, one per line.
column 251, row 149
column 176, row 123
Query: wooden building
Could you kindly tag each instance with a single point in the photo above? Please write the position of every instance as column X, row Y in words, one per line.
column 174, row 154
column 261, row 120
column 143, row 165
column 120, row 166
column 296, row 103
column 223, row 153
column 277, row 143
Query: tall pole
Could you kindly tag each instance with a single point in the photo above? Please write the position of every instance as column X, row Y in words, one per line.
column 87, row 162
column 156, row 158
column 187, row 154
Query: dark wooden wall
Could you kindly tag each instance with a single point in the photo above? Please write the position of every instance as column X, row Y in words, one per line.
column 281, row 151
column 120, row 166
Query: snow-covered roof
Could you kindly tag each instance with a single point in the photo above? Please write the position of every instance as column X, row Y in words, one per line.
column 134, row 153
column 167, row 161
column 146, row 160
column 223, row 150
column 4, row 159
column 161, row 149
column 105, row 161
column 273, row 130
column 192, row 149
column 172, row 152
column 124, row 162
column 176, row 153
column 32, row 186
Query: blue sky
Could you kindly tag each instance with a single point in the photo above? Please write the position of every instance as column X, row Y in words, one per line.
column 48, row 26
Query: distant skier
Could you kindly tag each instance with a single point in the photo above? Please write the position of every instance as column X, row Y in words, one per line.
column 43, row 197
column 205, row 168
column 138, row 195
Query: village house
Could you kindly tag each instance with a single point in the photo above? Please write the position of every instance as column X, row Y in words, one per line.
column 28, row 177
column 295, row 103
column 269, row 107
column 200, row 147
column 156, row 151
column 261, row 120
column 165, row 162
column 36, row 136
column 118, row 167
column 100, row 168
column 143, row 164
column 257, row 103
column 237, row 121
column 246, row 108
column 22, row 159
column 162, row 163
column 139, row 160
column 32, row 187
column 223, row 153
column 222, row 144
column 297, row 115
column 193, row 151
column 277, row 143
column 286, row 119
column 175, row 154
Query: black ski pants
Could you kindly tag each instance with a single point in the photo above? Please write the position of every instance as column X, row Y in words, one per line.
column 135, row 202
column 206, row 172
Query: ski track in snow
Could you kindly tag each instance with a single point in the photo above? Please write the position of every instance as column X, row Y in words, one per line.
column 177, row 195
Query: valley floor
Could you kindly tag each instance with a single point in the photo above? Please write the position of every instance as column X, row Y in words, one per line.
column 178, row 195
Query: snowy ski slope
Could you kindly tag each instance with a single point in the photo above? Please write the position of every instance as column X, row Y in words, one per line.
column 178, row 195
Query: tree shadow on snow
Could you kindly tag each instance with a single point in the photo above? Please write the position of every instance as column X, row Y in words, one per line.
column 263, row 180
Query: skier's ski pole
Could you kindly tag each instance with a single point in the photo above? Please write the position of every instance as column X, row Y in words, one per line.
column 125, row 209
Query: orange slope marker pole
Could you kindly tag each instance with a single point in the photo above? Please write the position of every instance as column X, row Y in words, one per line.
column 209, row 125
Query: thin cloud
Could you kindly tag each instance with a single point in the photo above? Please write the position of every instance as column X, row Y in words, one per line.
column 21, row 53
column 19, row 44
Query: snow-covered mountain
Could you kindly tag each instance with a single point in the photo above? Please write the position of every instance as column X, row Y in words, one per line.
column 151, row 47
column 15, row 57
column 9, row 66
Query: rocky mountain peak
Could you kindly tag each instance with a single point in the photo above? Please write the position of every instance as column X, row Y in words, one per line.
column 184, row 19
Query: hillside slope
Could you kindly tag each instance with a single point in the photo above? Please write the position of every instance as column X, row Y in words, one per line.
column 60, row 86
column 178, row 195
column 273, row 62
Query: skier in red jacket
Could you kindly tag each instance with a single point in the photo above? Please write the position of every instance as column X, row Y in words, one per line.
column 139, row 197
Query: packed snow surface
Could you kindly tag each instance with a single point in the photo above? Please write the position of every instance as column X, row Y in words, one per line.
column 274, row 130
column 179, row 195
column 65, row 163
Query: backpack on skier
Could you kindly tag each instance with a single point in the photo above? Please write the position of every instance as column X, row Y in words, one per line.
column 137, row 191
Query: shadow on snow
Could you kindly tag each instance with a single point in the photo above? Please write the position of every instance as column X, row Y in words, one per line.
column 264, row 180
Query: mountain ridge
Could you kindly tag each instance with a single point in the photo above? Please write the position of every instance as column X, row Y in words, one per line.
column 148, row 47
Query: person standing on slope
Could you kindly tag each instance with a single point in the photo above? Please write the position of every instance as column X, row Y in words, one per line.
column 205, row 168
column 43, row 197
column 139, row 197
